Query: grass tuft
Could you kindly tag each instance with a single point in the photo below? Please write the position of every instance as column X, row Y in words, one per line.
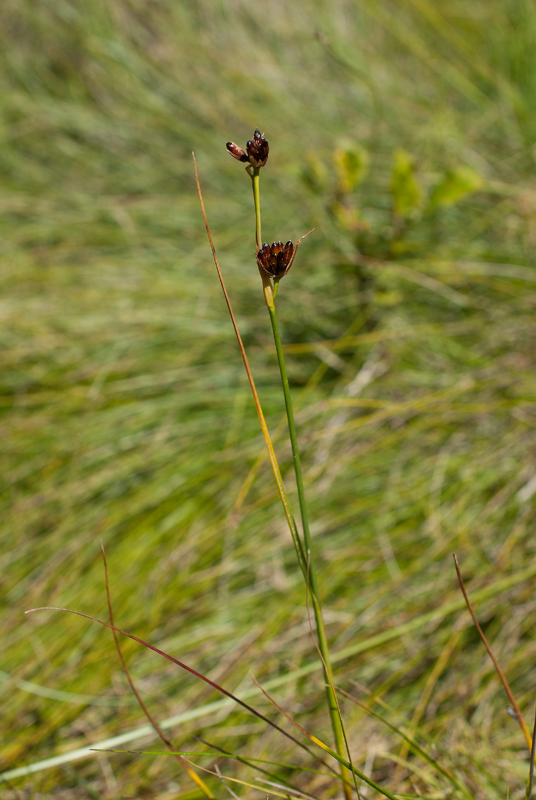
column 411, row 362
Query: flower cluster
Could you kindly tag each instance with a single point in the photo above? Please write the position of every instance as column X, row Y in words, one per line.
column 256, row 152
column 276, row 260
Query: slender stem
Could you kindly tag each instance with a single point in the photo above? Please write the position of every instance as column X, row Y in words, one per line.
column 310, row 575
column 498, row 670
column 255, row 179
column 334, row 712
column 293, row 439
column 271, row 452
column 531, row 768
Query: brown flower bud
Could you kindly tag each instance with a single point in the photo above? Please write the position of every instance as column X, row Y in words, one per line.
column 277, row 259
column 236, row 152
column 257, row 150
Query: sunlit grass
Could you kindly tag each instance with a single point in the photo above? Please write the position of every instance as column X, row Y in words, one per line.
column 125, row 415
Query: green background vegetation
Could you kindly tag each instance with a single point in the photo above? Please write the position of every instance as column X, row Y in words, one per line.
column 406, row 132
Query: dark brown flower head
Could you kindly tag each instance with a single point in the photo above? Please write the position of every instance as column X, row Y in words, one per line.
column 257, row 150
column 277, row 259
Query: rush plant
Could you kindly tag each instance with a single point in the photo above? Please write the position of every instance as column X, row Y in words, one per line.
column 274, row 262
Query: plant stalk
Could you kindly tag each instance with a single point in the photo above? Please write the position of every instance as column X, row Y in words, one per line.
column 310, row 574
column 321, row 631
column 255, row 179
column 264, row 428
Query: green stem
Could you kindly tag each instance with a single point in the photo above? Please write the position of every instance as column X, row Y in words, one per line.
column 269, row 298
column 304, row 558
column 255, row 179
column 334, row 713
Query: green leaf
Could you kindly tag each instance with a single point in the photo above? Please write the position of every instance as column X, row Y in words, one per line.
column 456, row 184
column 314, row 174
column 351, row 164
column 405, row 187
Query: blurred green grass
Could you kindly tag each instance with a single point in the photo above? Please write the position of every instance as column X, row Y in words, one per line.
column 125, row 415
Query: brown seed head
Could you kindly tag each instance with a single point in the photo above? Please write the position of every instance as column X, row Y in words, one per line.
column 276, row 260
column 257, row 150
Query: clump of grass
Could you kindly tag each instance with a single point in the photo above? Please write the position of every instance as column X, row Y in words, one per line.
column 274, row 263
column 126, row 417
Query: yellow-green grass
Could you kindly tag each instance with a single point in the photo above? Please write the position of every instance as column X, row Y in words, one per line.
column 125, row 414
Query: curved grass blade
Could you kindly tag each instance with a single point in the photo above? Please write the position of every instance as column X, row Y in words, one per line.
column 247, row 761
column 336, row 756
column 193, row 775
column 220, row 753
column 498, row 670
column 415, row 746
column 231, row 792
column 185, row 667
column 416, row 731
column 252, row 785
